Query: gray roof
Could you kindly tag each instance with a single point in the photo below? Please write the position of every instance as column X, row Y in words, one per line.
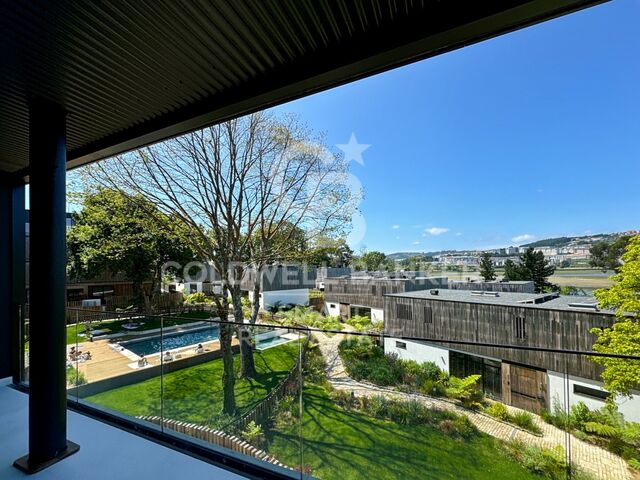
column 480, row 282
column 546, row 300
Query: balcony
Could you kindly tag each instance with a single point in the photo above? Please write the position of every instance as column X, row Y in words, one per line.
column 85, row 82
column 106, row 452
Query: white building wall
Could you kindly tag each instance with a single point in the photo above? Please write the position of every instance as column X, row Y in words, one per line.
column 298, row 296
column 418, row 351
column 332, row 309
column 629, row 407
column 377, row 315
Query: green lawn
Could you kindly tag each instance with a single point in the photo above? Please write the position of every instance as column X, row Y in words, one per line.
column 195, row 394
column 352, row 445
column 150, row 323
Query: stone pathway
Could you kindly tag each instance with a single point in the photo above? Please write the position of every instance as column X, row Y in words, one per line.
column 601, row 463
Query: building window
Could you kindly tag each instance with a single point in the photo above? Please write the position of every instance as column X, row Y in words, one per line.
column 428, row 315
column 332, row 305
column 373, row 289
column 401, row 345
column 330, row 288
column 383, row 290
column 520, row 328
column 590, row 392
column 403, row 312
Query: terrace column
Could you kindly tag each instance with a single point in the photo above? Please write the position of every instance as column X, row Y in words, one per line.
column 12, row 284
column 47, row 277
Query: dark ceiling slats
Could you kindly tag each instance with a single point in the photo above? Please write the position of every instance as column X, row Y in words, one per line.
column 131, row 72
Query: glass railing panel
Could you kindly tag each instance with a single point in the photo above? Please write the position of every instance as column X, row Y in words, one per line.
column 113, row 374
column 394, row 412
column 229, row 398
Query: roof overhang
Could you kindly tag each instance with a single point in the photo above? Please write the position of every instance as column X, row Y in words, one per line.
column 133, row 73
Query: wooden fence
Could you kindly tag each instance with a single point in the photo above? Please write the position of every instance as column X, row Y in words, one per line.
column 166, row 303
column 216, row 437
column 265, row 409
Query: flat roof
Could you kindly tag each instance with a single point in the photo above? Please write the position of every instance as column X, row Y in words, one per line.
column 510, row 299
column 497, row 282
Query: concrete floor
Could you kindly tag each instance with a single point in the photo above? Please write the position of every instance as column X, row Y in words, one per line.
column 106, row 453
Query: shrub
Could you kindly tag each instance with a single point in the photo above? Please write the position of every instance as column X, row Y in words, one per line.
column 466, row 390
column 635, row 464
column 499, row 411
column 360, row 323
column 197, row 297
column 525, row 420
column 434, row 388
column 254, row 435
column 287, row 413
column 342, row 398
column 75, row 377
column 579, row 414
column 546, row 462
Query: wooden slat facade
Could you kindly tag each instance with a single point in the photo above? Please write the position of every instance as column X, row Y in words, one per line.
column 370, row 292
column 289, row 277
column 502, row 325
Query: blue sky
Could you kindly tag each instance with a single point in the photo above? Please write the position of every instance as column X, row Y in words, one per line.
column 533, row 133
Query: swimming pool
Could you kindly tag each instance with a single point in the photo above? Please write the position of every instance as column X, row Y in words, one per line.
column 273, row 341
column 171, row 341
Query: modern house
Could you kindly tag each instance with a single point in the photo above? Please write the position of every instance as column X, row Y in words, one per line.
column 364, row 295
column 83, row 81
column 465, row 333
column 330, row 272
column 280, row 285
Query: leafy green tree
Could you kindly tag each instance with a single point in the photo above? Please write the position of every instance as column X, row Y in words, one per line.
column 607, row 255
column 119, row 233
column 373, row 260
column 330, row 252
column 620, row 376
column 532, row 267
column 487, row 270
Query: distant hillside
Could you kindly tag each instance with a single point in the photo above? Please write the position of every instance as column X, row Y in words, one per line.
column 567, row 241
column 405, row 255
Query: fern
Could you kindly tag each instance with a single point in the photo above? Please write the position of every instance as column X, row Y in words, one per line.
column 601, row 429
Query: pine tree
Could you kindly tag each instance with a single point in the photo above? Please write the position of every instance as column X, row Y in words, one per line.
column 532, row 267
column 487, row 270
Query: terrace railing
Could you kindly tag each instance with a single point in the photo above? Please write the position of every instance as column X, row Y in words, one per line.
column 351, row 404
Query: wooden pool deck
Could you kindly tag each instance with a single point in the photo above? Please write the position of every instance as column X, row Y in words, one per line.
column 106, row 362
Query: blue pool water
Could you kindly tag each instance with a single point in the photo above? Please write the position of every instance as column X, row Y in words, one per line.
column 272, row 342
column 150, row 345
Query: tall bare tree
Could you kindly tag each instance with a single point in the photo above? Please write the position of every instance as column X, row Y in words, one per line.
column 241, row 189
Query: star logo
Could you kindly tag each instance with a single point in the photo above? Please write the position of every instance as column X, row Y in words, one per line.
column 353, row 150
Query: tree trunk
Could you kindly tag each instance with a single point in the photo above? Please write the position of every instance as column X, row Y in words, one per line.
column 139, row 297
column 228, row 374
column 247, row 365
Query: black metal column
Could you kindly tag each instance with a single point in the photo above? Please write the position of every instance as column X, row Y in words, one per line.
column 18, row 280
column 47, row 259
column 5, row 281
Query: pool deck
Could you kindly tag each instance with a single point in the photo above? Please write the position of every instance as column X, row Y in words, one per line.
column 107, row 363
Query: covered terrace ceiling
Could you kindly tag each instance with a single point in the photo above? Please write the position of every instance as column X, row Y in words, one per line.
column 134, row 72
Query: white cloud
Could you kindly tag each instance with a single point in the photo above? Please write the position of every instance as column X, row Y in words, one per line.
column 527, row 237
column 396, row 227
column 416, row 243
column 436, row 230
column 458, row 234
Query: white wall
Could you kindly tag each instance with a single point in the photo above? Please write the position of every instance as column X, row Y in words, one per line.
column 184, row 287
column 298, row 296
column 332, row 309
column 629, row 407
column 418, row 351
column 377, row 315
